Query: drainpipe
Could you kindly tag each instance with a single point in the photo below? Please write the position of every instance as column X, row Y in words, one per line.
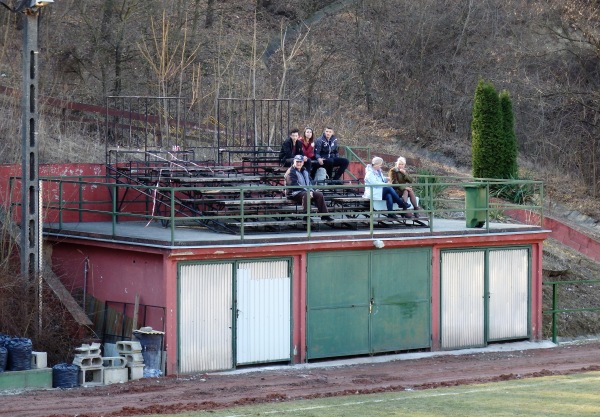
column 86, row 268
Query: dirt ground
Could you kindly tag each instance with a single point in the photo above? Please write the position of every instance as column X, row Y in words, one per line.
column 171, row 395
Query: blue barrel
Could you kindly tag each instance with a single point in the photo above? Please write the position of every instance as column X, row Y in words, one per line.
column 65, row 375
column 19, row 354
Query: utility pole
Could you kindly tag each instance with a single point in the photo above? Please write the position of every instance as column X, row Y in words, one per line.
column 31, row 230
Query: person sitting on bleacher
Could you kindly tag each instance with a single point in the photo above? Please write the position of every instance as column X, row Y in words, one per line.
column 292, row 147
column 398, row 175
column 297, row 175
column 308, row 147
column 327, row 154
column 374, row 176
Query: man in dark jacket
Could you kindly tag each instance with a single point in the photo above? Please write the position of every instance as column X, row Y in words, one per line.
column 292, row 147
column 298, row 176
column 327, row 154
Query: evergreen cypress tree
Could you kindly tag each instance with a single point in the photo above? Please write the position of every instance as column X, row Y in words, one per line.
column 486, row 131
column 511, row 168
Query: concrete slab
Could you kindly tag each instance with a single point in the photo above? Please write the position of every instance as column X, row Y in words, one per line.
column 503, row 347
column 153, row 234
column 34, row 378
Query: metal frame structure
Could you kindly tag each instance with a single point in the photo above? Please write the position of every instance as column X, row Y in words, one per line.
column 251, row 125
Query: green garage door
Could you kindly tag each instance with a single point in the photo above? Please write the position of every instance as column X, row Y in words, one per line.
column 368, row 301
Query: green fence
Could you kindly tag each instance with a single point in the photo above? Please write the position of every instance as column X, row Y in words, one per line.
column 87, row 199
column 555, row 310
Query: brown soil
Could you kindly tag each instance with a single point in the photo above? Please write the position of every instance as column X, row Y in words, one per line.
column 173, row 395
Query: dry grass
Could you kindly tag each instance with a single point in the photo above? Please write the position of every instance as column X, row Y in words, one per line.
column 58, row 334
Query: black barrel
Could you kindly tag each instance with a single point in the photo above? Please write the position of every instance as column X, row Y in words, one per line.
column 3, row 358
column 19, row 354
column 65, row 375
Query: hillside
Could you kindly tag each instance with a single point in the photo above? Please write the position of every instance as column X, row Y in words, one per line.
column 396, row 74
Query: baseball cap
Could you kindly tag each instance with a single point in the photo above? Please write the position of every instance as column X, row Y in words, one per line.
column 298, row 158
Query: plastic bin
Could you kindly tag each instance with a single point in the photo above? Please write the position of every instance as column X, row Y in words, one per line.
column 151, row 341
column 475, row 204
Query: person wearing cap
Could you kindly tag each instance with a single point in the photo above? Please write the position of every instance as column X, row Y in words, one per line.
column 327, row 154
column 374, row 176
column 292, row 147
column 297, row 176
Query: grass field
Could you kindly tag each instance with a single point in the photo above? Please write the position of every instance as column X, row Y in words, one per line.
column 572, row 395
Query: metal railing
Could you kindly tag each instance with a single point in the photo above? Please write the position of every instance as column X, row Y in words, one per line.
column 555, row 310
column 93, row 199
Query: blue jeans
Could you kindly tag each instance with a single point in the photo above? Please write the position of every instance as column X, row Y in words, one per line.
column 390, row 196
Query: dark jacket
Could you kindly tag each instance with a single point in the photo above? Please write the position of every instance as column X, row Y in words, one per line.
column 288, row 150
column 397, row 177
column 326, row 148
column 293, row 177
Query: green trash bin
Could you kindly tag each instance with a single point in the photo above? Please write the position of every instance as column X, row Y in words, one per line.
column 475, row 204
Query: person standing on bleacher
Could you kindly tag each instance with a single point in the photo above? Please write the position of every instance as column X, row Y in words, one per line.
column 292, row 147
column 327, row 155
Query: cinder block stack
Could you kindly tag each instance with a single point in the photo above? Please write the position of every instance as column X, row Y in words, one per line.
column 115, row 370
column 89, row 360
column 132, row 352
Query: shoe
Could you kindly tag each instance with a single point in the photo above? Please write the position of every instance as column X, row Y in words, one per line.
column 327, row 218
column 392, row 216
column 407, row 215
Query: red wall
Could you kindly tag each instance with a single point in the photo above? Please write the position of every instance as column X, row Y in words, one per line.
column 73, row 182
column 114, row 274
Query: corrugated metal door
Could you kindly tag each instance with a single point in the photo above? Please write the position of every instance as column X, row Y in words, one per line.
column 509, row 294
column 462, row 299
column 205, row 318
column 401, row 294
column 368, row 301
column 263, row 312
column 338, row 304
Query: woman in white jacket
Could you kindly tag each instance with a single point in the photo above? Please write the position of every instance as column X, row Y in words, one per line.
column 374, row 176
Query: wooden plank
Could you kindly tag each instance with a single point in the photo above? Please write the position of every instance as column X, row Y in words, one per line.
column 255, row 202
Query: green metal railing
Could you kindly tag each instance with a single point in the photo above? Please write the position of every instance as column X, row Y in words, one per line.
column 555, row 310
column 117, row 202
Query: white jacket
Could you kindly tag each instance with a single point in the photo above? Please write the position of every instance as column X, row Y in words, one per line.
column 373, row 177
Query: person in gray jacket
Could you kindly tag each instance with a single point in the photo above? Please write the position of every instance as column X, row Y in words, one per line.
column 298, row 176
column 327, row 154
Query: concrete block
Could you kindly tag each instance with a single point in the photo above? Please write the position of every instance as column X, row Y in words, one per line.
column 133, row 358
column 87, row 362
column 115, row 375
column 88, row 350
column 136, row 371
column 89, row 377
column 39, row 360
column 114, row 362
column 129, row 347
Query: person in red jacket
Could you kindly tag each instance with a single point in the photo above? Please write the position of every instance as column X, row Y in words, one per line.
column 308, row 146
